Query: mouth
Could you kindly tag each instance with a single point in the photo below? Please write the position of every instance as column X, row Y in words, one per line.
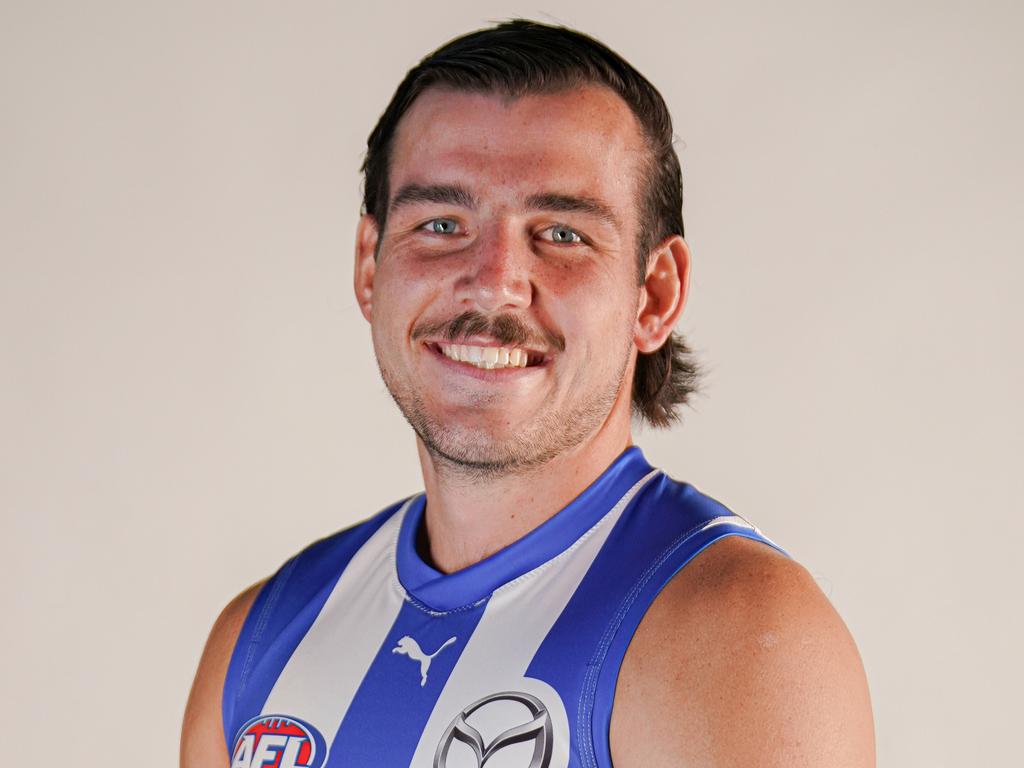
column 488, row 357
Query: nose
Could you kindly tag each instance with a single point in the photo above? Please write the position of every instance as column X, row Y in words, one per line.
column 497, row 275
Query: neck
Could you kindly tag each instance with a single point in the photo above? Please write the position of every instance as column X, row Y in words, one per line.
column 470, row 516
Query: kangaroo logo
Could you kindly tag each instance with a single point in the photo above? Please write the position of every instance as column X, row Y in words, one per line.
column 407, row 646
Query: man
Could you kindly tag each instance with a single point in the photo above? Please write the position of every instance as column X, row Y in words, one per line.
column 551, row 600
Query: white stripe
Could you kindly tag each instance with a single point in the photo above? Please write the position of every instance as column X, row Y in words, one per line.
column 727, row 520
column 739, row 522
column 322, row 675
column 515, row 622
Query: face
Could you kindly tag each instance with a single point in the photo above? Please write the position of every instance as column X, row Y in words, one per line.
column 503, row 299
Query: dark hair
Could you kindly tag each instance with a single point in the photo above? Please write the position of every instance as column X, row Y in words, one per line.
column 521, row 57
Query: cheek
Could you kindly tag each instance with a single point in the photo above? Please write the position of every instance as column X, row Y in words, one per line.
column 599, row 324
column 387, row 313
column 398, row 284
column 595, row 299
column 408, row 274
column 403, row 293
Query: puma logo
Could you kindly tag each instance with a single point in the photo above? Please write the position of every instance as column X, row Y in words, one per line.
column 409, row 647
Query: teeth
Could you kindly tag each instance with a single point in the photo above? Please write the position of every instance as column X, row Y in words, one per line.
column 485, row 357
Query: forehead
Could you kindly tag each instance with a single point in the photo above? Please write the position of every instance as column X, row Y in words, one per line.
column 585, row 141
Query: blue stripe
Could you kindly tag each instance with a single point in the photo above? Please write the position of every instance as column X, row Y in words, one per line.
column 279, row 618
column 565, row 655
column 599, row 692
column 647, row 545
column 391, row 699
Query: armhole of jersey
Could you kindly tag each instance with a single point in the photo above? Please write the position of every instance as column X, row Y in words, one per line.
column 635, row 605
column 248, row 641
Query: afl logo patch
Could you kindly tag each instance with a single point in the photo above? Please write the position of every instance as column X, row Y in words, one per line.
column 278, row 741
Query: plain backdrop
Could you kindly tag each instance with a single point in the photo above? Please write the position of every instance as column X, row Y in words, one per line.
column 188, row 393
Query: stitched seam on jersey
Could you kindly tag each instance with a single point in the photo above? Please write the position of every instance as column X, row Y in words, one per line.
column 261, row 624
column 625, row 499
column 623, row 502
column 585, row 710
column 424, row 608
column 399, row 588
column 406, row 596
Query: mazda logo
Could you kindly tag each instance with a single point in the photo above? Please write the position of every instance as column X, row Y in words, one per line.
column 538, row 729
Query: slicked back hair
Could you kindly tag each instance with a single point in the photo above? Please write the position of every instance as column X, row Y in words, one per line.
column 518, row 58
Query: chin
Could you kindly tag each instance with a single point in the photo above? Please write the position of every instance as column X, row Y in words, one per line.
column 488, row 453
column 478, row 448
column 488, row 441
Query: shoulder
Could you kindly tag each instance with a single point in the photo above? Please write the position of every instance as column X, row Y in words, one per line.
column 742, row 660
column 202, row 733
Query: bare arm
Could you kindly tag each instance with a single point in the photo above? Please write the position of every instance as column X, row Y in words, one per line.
column 202, row 733
column 742, row 661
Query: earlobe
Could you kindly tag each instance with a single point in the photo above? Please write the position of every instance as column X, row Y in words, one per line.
column 663, row 293
column 365, row 263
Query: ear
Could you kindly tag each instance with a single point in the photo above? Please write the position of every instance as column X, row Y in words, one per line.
column 663, row 293
column 366, row 263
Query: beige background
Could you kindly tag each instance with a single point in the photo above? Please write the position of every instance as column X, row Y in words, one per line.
column 188, row 395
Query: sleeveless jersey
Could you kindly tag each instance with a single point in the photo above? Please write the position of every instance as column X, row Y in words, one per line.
column 358, row 653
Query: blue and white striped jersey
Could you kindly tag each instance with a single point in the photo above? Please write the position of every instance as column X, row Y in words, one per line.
column 359, row 653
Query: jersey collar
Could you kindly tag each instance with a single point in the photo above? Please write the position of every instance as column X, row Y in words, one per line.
column 447, row 592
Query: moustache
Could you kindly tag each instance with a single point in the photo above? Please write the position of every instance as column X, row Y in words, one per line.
column 507, row 330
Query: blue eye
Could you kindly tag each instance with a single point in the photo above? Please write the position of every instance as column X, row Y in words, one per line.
column 441, row 226
column 563, row 234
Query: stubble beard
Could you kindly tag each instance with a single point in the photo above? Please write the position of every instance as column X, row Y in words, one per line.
column 472, row 453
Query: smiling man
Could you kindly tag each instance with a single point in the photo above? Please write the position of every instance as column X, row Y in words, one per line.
column 551, row 599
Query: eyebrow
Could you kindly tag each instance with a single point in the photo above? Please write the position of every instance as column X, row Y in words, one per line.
column 446, row 194
column 552, row 201
column 453, row 194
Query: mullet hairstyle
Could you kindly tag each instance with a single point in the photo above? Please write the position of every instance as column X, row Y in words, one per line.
column 519, row 58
